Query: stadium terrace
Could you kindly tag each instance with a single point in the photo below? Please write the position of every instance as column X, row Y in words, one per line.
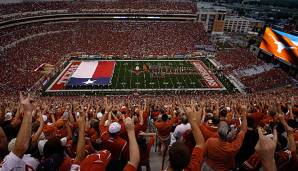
column 127, row 85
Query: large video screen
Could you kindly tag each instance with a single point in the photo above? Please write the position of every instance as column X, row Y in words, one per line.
column 282, row 45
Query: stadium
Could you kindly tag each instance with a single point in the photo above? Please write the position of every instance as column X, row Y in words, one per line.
column 145, row 85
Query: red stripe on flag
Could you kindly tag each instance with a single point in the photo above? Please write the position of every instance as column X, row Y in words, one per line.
column 97, row 71
column 104, row 69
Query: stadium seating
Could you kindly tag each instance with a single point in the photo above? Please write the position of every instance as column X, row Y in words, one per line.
column 76, row 131
column 47, row 43
column 28, row 9
column 210, row 130
column 267, row 80
column 236, row 60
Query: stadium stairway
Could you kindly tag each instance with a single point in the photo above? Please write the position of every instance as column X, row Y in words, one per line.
column 155, row 160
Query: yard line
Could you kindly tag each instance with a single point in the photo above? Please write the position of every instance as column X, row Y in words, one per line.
column 170, row 76
column 175, row 66
column 157, row 77
column 191, row 79
column 124, row 71
column 137, row 76
column 172, row 81
column 144, row 79
column 185, row 83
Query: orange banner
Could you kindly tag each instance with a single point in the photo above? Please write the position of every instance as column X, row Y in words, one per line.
column 281, row 45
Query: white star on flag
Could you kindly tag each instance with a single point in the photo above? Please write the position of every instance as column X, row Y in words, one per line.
column 89, row 82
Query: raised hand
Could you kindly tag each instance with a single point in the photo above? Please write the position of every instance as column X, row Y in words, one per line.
column 243, row 109
column 192, row 105
column 129, row 125
column 202, row 103
column 81, row 122
column 265, row 149
column 26, row 102
column 190, row 113
column 40, row 119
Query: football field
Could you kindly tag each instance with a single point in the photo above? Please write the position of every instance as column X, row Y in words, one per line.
column 134, row 75
column 173, row 75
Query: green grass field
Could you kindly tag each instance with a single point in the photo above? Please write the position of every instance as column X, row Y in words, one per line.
column 125, row 78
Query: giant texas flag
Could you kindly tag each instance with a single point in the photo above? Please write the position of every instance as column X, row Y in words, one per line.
column 93, row 73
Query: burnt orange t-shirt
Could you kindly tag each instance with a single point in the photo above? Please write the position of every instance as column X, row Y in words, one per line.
column 296, row 136
column 196, row 160
column 61, row 133
column 257, row 116
column 117, row 146
column 220, row 155
column 96, row 162
column 145, row 117
column 146, row 155
column 164, row 128
column 208, row 131
column 104, row 135
column 267, row 119
column 155, row 114
column 66, row 164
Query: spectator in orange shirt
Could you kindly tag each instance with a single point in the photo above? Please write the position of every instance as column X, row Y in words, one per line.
column 145, row 149
column 61, row 128
column 220, row 152
column 209, row 129
column 164, row 127
column 96, row 161
column 179, row 155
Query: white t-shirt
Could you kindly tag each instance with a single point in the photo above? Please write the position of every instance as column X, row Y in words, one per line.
column 12, row 162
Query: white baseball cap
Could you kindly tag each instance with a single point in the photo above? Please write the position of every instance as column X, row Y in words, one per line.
column 63, row 141
column 44, row 117
column 114, row 127
column 99, row 115
column 8, row 116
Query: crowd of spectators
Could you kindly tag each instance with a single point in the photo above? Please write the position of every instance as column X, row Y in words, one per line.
column 237, row 59
column 26, row 9
column 47, row 43
column 241, row 59
column 11, row 8
column 12, row 34
column 19, row 61
column 206, row 132
column 140, row 39
column 266, row 80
